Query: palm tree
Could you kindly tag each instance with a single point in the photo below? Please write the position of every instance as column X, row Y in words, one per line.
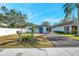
column 68, row 9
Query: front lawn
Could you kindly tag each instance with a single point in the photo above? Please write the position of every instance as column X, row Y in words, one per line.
column 37, row 44
column 71, row 36
column 42, row 42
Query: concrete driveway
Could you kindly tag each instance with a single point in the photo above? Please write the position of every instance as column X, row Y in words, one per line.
column 62, row 41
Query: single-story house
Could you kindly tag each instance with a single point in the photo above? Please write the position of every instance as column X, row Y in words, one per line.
column 39, row 29
column 68, row 27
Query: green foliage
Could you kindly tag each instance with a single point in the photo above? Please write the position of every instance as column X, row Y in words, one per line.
column 12, row 17
column 61, row 32
column 12, row 25
column 26, row 37
column 23, row 37
column 29, row 37
column 45, row 23
column 68, row 9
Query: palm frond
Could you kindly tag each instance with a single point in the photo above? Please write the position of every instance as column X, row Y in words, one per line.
column 68, row 8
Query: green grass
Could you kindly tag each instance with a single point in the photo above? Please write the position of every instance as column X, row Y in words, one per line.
column 44, row 43
column 72, row 36
column 37, row 44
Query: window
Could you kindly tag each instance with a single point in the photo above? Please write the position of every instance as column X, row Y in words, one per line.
column 47, row 29
column 30, row 28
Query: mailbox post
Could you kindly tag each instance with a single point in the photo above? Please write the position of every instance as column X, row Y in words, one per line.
column 19, row 34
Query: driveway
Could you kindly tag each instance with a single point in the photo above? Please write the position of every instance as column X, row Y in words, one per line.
column 62, row 41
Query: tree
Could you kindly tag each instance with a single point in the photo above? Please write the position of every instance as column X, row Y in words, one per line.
column 4, row 9
column 1, row 17
column 12, row 17
column 32, row 31
column 45, row 23
column 68, row 9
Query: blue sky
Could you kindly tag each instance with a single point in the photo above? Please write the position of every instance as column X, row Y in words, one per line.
column 39, row 12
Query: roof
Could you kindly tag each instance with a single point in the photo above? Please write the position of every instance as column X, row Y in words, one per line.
column 72, row 22
column 40, row 26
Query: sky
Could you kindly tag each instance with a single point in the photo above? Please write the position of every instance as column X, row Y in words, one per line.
column 39, row 12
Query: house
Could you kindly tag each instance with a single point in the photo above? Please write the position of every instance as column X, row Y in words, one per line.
column 69, row 27
column 39, row 29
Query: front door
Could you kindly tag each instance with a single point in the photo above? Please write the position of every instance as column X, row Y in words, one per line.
column 74, row 29
column 40, row 30
column 66, row 28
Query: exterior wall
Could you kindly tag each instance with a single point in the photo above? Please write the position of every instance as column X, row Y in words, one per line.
column 36, row 30
column 8, row 31
column 62, row 29
column 44, row 30
column 27, row 29
column 70, row 28
column 59, row 29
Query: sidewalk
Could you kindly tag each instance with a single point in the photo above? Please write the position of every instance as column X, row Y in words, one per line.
column 73, row 51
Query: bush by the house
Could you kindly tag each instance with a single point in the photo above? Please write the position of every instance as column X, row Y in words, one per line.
column 25, row 39
column 61, row 32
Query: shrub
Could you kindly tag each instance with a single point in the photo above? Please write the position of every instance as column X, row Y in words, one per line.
column 29, row 37
column 23, row 37
column 61, row 32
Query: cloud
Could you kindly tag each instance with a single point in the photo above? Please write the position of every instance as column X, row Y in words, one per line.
column 52, row 20
column 44, row 12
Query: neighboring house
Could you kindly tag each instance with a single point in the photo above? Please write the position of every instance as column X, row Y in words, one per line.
column 69, row 27
column 39, row 29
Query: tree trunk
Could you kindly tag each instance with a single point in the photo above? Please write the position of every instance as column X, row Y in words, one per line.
column 77, row 5
column 78, row 23
column 32, row 33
